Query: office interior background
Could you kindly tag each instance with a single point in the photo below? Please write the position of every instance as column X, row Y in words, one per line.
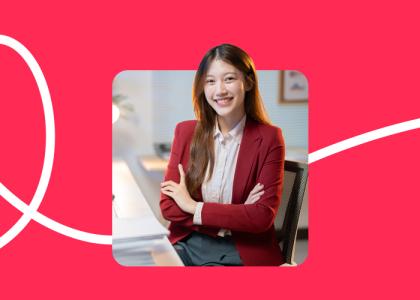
column 151, row 103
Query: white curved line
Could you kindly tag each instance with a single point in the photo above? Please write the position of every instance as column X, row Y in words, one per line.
column 30, row 211
column 51, row 224
column 49, row 138
column 363, row 138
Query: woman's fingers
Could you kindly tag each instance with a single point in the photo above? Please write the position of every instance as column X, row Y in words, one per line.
column 168, row 188
column 257, row 188
column 255, row 194
column 254, row 188
column 167, row 191
column 168, row 183
column 259, row 194
column 181, row 174
column 253, row 199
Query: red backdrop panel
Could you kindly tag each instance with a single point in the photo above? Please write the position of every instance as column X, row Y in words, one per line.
column 362, row 63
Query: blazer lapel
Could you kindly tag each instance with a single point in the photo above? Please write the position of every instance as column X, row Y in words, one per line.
column 250, row 143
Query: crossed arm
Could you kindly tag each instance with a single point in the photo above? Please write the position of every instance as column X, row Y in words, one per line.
column 255, row 215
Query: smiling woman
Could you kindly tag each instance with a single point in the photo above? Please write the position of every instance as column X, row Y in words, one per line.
column 222, row 208
column 225, row 89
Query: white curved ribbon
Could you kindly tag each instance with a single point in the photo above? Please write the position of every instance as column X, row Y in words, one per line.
column 49, row 139
column 362, row 139
column 51, row 224
column 30, row 211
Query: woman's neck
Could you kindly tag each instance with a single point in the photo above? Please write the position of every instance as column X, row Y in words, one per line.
column 226, row 124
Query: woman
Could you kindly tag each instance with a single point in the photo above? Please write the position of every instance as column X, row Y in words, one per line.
column 222, row 208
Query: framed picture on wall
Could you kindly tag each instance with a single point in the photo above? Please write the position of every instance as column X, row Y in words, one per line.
column 293, row 87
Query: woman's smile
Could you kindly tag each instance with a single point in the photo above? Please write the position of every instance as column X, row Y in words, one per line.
column 223, row 102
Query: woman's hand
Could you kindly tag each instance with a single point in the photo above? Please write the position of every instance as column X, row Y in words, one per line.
column 179, row 193
column 255, row 194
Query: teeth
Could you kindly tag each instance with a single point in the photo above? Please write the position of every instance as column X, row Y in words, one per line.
column 224, row 99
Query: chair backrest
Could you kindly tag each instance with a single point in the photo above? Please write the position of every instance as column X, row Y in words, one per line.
column 286, row 223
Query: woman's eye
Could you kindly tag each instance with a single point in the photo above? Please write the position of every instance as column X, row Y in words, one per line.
column 230, row 78
column 210, row 81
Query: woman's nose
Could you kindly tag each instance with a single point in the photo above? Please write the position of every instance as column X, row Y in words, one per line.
column 220, row 88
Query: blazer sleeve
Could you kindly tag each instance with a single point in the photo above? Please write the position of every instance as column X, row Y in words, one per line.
column 259, row 216
column 170, row 210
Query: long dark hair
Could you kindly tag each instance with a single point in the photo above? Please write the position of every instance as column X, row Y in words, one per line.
column 202, row 145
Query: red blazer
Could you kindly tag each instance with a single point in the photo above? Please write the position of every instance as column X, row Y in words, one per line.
column 260, row 160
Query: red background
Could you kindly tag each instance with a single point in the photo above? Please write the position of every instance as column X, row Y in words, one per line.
column 362, row 62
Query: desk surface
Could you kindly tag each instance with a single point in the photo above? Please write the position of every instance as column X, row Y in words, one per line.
column 129, row 202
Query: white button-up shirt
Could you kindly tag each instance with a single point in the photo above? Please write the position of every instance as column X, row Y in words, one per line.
column 219, row 188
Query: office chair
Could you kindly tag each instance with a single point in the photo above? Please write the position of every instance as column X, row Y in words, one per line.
column 286, row 223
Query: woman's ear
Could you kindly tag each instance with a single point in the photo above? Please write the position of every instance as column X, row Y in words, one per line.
column 249, row 84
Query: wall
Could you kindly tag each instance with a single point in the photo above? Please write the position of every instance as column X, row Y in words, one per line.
column 171, row 95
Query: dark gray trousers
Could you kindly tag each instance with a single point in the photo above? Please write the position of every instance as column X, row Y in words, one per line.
column 202, row 250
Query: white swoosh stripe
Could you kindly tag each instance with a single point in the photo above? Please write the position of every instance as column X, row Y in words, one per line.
column 51, row 224
column 49, row 138
column 362, row 139
column 314, row 156
column 30, row 211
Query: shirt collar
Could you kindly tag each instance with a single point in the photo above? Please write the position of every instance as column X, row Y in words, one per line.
column 236, row 132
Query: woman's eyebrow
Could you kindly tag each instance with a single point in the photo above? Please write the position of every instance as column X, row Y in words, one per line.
column 224, row 74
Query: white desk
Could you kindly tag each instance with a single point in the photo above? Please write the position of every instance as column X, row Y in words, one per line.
column 153, row 163
column 129, row 202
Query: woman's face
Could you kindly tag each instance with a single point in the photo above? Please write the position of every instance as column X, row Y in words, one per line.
column 225, row 89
